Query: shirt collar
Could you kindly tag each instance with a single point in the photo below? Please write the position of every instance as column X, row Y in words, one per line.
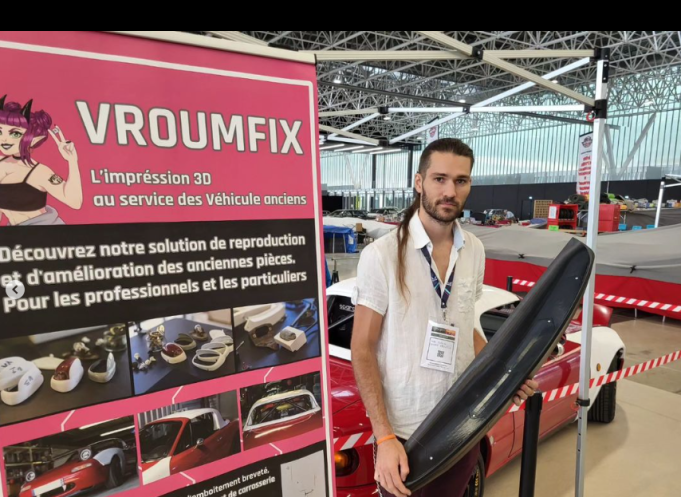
column 420, row 237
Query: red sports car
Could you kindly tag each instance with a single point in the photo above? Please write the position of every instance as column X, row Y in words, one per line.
column 104, row 464
column 185, row 440
column 352, row 428
column 280, row 416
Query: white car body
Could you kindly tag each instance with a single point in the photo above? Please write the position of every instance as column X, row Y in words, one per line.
column 106, row 456
column 218, row 420
column 161, row 469
column 157, row 472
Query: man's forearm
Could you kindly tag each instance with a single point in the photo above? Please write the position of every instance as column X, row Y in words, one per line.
column 368, row 380
column 478, row 342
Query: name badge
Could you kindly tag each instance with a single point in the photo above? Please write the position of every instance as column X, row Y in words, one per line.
column 439, row 350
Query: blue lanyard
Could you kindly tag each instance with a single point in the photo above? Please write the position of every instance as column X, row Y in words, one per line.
column 444, row 296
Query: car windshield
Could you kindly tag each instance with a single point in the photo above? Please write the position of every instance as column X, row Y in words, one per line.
column 75, row 456
column 78, row 455
column 96, row 448
column 156, row 440
column 281, row 409
column 341, row 314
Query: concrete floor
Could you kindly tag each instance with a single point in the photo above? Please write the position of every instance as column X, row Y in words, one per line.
column 346, row 264
column 638, row 453
column 635, row 455
column 648, row 338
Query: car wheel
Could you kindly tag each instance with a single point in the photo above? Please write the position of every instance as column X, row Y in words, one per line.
column 605, row 406
column 476, row 485
column 115, row 478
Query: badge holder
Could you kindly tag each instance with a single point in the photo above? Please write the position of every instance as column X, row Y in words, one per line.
column 440, row 346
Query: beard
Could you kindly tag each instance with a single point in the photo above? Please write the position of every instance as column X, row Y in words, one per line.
column 442, row 215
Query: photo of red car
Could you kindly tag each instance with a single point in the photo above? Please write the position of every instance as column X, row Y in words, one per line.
column 99, row 460
column 278, row 411
column 354, row 458
column 189, row 438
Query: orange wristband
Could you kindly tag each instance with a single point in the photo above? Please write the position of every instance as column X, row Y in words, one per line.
column 385, row 439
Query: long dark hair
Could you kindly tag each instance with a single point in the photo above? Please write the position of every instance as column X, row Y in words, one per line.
column 443, row 146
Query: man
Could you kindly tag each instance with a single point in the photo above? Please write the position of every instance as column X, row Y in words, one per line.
column 421, row 279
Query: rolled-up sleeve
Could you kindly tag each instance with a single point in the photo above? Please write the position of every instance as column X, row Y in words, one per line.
column 371, row 288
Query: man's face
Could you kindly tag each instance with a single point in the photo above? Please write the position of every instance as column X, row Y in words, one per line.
column 445, row 187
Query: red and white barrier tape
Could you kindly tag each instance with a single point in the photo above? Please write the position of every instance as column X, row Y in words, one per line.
column 367, row 438
column 356, row 440
column 614, row 299
column 566, row 391
column 526, row 283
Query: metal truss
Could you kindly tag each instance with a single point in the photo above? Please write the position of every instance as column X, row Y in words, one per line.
column 645, row 72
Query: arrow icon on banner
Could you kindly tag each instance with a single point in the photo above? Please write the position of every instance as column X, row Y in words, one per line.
column 15, row 289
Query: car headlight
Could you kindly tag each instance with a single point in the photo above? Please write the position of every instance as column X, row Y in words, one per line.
column 81, row 467
column 346, row 461
column 25, row 488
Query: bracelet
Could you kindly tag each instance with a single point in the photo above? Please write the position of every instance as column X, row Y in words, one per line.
column 185, row 341
column 29, row 383
column 385, row 439
column 173, row 354
column 218, row 347
column 96, row 374
column 209, row 359
column 226, row 339
column 11, row 371
column 68, row 375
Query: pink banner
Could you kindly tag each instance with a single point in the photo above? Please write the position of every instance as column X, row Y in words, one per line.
column 177, row 271
column 166, row 141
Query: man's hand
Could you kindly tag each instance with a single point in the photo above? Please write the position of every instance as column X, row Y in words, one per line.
column 526, row 391
column 392, row 468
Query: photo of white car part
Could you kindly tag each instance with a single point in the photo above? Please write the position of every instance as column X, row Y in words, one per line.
column 64, row 371
column 268, row 335
column 20, row 379
column 180, row 350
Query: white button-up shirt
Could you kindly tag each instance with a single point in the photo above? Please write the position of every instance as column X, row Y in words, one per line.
column 410, row 391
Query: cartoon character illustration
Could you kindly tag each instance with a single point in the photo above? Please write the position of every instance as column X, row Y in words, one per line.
column 26, row 183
